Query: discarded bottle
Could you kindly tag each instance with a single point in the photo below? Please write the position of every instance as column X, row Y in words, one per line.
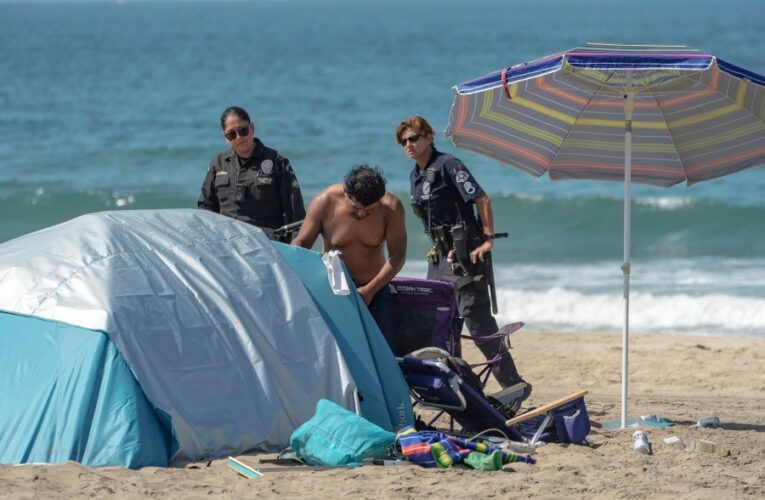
column 640, row 442
column 708, row 422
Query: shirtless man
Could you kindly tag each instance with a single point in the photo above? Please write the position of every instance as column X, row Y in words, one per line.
column 359, row 217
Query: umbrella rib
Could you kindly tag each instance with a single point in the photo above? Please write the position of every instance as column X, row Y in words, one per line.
column 576, row 119
column 671, row 136
column 686, row 76
column 669, row 131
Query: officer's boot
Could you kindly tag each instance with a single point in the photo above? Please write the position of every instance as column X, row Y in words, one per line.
column 507, row 375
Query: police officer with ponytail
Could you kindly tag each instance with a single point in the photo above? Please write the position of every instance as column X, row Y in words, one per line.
column 444, row 194
column 250, row 181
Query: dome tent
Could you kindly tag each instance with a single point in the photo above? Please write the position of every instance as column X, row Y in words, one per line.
column 222, row 347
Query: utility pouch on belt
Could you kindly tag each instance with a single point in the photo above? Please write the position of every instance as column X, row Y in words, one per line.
column 460, row 238
column 441, row 239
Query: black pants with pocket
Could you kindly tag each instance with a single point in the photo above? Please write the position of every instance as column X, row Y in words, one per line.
column 474, row 307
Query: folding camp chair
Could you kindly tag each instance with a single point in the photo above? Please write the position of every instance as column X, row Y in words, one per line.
column 434, row 383
column 426, row 316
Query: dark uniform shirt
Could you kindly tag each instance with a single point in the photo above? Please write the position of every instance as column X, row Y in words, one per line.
column 269, row 194
column 444, row 191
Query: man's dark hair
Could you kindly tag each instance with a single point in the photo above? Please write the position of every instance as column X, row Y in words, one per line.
column 364, row 184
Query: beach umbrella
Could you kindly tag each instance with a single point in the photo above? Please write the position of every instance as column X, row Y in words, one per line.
column 652, row 114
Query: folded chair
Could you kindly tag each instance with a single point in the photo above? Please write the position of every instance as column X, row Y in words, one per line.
column 438, row 378
column 435, row 383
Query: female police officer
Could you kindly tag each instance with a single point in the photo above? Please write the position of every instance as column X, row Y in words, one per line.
column 249, row 181
column 443, row 194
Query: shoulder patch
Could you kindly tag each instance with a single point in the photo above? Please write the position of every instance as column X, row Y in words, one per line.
column 267, row 166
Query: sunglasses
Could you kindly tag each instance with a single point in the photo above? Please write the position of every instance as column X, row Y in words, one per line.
column 411, row 139
column 242, row 131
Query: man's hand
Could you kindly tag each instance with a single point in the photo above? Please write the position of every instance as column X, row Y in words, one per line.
column 479, row 252
column 366, row 294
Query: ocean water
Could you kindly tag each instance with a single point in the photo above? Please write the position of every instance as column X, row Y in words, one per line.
column 115, row 105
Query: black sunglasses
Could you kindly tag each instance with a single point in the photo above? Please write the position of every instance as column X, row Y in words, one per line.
column 411, row 139
column 242, row 131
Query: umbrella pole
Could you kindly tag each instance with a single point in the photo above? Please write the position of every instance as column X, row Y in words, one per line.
column 629, row 102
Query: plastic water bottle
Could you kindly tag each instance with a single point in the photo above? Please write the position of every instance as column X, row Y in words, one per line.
column 708, row 422
column 640, row 442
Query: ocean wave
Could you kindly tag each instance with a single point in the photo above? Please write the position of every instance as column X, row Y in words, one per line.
column 665, row 202
column 536, row 197
column 704, row 296
column 568, row 310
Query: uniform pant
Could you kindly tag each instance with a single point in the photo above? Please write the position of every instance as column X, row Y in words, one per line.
column 474, row 307
column 383, row 310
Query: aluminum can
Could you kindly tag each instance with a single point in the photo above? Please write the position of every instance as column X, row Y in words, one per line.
column 640, row 443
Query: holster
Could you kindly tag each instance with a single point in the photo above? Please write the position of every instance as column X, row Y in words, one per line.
column 466, row 238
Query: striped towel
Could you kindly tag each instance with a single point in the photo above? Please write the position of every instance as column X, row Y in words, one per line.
column 437, row 449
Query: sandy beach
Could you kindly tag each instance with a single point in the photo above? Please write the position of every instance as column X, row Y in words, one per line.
column 681, row 378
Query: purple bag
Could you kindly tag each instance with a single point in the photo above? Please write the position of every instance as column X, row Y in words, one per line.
column 426, row 314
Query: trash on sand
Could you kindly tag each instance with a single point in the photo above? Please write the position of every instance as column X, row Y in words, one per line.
column 707, row 422
column 640, row 442
column 611, row 425
column 653, row 419
column 673, row 441
column 704, row 446
column 243, row 469
column 519, row 447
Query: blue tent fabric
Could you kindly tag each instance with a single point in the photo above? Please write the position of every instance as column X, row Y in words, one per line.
column 366, row 352
column 67, row 394
column 138, row 338
column 216, row 328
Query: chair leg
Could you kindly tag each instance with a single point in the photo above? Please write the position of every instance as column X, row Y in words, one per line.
column 438, row 415
column 541, row 429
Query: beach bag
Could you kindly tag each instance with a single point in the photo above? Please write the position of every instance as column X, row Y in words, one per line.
column 336, row 436
column 571, row 422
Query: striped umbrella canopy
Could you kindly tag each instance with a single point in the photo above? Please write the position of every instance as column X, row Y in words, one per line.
column 652, row 114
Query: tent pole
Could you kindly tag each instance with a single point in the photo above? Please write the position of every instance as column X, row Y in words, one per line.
column 629, row 102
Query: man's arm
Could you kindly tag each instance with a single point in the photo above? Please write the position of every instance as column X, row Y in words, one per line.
column 483, row 205
column 395, row 239
column 312, row 225
column 208, row 200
